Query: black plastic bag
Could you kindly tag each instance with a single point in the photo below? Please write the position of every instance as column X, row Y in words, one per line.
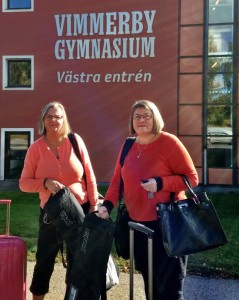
column 88, row 273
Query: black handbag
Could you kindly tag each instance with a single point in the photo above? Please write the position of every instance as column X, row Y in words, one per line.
column 122, row 228
column 122, row 232
column 191, row 225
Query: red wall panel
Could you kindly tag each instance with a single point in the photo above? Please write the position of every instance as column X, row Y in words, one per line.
column 98, row 110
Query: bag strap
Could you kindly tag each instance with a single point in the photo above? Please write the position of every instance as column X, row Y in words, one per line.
column 127, row 146
column 76, row 149
column 188, row 184
column 189, row 187
column 75, row 146
column 64, row 263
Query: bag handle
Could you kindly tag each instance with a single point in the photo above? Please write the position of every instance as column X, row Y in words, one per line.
column 188, row 184
column 189, row 187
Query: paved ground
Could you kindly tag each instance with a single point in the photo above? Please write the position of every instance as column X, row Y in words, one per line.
column 196, row 288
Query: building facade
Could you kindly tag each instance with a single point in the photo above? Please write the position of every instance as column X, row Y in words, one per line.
column 97, row 58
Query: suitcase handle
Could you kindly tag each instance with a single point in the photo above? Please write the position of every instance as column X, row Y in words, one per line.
column 140, row 227
column 8, row 203
column 149, row 232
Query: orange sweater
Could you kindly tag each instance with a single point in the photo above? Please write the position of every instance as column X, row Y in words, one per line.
column 166, row 158
column 41, row 163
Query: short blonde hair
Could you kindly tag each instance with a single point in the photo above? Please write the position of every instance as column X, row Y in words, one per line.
column 158, row 122
column 65, row 130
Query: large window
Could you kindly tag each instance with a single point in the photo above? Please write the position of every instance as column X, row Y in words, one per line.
column 18, row 72
column 219, row 84
column 17, row 5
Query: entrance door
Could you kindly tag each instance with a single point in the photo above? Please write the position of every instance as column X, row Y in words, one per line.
column 16, row 145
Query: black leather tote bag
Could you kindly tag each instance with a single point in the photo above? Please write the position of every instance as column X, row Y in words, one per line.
column 191, row 225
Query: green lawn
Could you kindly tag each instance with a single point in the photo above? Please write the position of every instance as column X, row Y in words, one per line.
column 222, row 262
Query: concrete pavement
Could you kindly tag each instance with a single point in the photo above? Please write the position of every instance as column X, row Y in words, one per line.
column 196, row 287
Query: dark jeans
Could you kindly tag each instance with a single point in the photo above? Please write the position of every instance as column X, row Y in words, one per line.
column 168, row 272
column 48, row 245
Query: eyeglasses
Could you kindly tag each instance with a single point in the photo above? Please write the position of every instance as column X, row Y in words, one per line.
column 146, row 117
column 50, row 117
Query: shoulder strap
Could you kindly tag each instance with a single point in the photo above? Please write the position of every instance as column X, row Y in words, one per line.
column 75, row 147
column 74, row 144
column 127, row 145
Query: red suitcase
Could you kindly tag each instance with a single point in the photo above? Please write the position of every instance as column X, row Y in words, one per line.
column 13, row 263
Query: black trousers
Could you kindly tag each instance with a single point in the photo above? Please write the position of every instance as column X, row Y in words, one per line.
column 48, row 246
column 168, row 272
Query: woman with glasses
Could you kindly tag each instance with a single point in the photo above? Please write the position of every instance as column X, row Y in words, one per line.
column 151, row 171
column 50, row 165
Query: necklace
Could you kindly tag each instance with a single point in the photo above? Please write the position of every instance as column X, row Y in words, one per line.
column 54, row 146
column 142, row 150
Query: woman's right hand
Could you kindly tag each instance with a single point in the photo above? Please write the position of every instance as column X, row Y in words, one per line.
column 53, row 186
column 103, row 212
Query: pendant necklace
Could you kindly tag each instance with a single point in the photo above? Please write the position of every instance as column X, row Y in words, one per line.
column 141, row 151
column 54, row 146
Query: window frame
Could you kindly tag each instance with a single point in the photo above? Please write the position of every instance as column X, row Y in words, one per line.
column 220, row 33
column 2, row 148
column 5, row 71
column 6, row 9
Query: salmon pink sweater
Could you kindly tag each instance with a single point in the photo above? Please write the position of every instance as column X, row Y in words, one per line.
column 41, row 163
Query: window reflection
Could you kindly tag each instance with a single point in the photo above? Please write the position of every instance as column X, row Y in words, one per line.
column 16, row 4
column 219, row 147
column 219, row 135
column 219, row 157
column 220, row 11
column 219, row 116
column 219, row 64
column 220, row 88
column 19, row 73
column 220, row 40
column 19, row 144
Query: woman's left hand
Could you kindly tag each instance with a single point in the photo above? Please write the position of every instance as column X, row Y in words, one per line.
column 150, row 185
